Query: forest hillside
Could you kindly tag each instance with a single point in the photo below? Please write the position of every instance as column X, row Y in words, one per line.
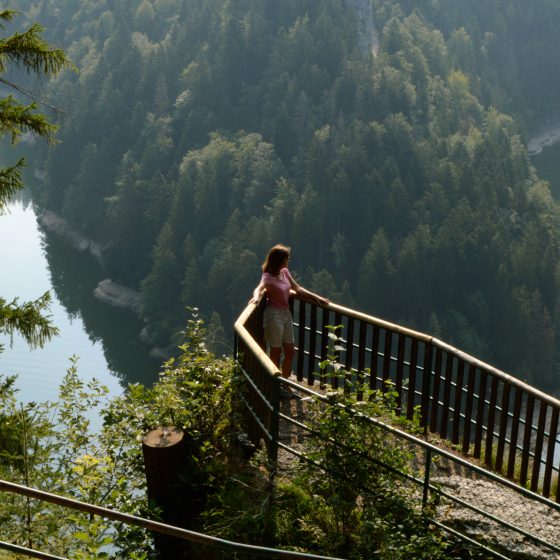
column 383, row 140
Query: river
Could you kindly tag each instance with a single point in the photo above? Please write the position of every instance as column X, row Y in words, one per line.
column 104, row 338
column 547, row 164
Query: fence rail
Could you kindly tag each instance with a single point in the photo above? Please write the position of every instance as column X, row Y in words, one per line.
column 508, row 426
column 216, row 544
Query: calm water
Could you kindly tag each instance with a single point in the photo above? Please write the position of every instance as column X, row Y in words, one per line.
column 547, row 164
column 103, row 337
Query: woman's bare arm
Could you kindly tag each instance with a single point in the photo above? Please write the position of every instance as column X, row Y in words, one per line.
column 257, row 293
column 307, row 294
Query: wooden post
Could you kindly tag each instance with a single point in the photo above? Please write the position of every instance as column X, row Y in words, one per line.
column 166, row 458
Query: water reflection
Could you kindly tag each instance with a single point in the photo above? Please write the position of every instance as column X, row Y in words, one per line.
column 74, row 275
column 104, row 338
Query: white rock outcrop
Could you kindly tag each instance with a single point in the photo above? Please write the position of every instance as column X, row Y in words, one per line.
column 548, row 135
column 118, row 295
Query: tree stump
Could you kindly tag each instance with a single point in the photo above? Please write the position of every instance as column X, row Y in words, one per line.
column 166, row 460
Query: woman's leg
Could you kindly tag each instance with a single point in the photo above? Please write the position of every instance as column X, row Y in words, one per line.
column 273, row 328
column 275, row 353
column 288, row 356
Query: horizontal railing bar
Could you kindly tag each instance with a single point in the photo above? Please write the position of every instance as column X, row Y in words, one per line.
column 170, row 530
column 467, row 358
column 494, row 518
column 433, row 488
column 473, row 421
column 437, row 490
column 294, row 422
column 377, row 322
column 507, row 440
column 255, row 349
column 304, row 457
column 465, row 391
column 424, row 367
column 258, row 420
column 438, row 451
column 406, row 477
column 467, row 464
column 256, row 389
column 453, row 384
column 469, row 539
column 29, row 551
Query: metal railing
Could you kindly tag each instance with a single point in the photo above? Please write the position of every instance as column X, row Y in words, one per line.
column 508, row 426
column 216, row 544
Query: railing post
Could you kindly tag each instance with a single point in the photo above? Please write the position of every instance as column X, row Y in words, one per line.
column 274, row 421
column 427, row 469
column 426, row 388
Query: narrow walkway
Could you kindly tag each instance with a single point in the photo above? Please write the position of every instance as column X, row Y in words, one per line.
column 459, row 482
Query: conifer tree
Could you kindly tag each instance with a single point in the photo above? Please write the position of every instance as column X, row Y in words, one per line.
column 29, row 52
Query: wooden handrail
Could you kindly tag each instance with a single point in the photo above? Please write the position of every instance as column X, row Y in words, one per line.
column 252, row 344
column 514, row 381
column 482, row 408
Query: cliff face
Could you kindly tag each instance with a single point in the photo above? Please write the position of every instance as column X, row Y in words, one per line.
column 369, row 40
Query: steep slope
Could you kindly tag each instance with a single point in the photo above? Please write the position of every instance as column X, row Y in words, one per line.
column 372, row 137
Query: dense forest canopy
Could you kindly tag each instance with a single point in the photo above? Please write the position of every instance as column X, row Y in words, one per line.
column 383, row 140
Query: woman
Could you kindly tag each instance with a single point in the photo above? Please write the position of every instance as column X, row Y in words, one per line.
column 278, row 325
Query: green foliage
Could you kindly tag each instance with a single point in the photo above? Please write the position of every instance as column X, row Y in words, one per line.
column 194, row 393
column 349, row 498
column 28, row 320
column 30, row 52
column 196, row 377
column 51, row 446
column 362, row 511
column 355, row 493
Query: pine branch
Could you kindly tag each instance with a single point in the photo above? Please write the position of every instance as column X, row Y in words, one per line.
column 31, row 52
column 10, row 182
column 7, row 15
column 28, row 320
column 15, row 119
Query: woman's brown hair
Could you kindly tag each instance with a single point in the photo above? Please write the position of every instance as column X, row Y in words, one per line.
column 275, row 259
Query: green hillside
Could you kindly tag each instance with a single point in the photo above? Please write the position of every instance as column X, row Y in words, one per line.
column 383, row 141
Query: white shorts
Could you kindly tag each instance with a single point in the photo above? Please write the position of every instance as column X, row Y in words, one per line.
column 278, row 327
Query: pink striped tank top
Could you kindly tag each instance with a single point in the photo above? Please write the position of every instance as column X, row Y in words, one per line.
column 278, row 289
